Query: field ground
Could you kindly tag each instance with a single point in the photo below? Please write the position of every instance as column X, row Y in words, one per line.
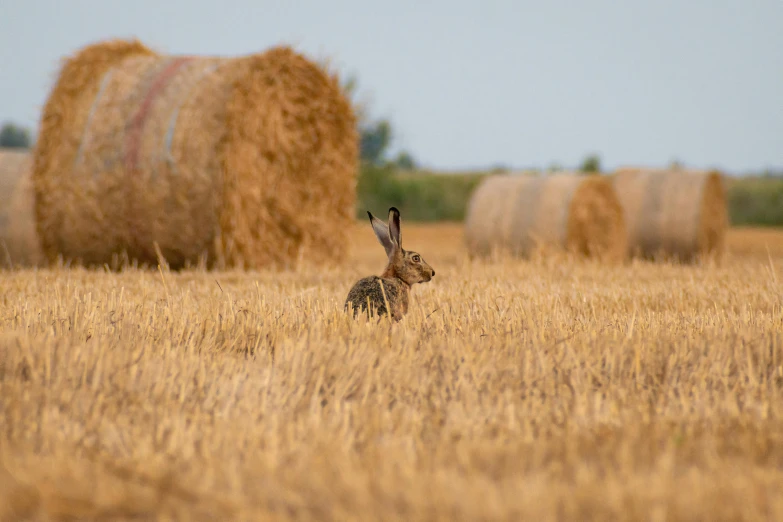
column 514, row 390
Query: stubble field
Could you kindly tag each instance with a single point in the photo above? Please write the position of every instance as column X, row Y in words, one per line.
column 539, row 390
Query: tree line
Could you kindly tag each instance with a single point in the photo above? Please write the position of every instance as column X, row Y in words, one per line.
column 14, row 136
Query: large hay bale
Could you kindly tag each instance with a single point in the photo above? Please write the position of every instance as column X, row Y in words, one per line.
column 519, row 214
column 247, row 161
column 19, row 245
column 673, row 214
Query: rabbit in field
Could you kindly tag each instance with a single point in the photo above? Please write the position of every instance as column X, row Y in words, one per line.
column 405, row 268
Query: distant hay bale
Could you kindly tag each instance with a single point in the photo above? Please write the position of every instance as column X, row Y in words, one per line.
column 246, row 162
column 673, row 214
column 518, row 214
column 19, row 246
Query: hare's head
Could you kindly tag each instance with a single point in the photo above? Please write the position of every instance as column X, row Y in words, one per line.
column 406, row 265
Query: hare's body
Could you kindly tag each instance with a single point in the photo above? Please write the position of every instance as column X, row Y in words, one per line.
column 369, row 290
column 391, row 291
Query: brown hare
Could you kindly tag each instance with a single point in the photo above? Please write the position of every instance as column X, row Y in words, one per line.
column 405, row 268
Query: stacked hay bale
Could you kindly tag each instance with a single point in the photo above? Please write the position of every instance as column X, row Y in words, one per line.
column 519, row 214
column 247, row 162
column 19, row 245
column 673, row 214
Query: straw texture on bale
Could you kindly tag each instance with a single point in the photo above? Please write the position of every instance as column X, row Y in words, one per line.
column 519, row 214
column 246, row 162
column 673, row 214
column 19, row 245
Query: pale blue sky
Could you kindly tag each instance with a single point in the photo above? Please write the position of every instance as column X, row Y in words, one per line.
column 472, row 84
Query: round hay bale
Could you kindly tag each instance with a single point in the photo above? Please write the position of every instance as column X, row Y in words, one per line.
column 673, row 214
column 19, row 245
column 245, row 162
column 520, row 214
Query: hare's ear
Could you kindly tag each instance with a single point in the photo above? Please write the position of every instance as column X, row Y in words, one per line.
column 382, row 233
column 394, row 226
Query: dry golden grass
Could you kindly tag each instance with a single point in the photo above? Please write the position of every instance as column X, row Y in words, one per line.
column 520, row 390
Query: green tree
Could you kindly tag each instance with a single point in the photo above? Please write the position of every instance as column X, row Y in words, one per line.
column 405, row 161
column 14, row 136
column 554, row 167
column 374, row 142
column 591, row 164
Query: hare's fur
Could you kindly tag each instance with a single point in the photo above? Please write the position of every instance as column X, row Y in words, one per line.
column 404, row 269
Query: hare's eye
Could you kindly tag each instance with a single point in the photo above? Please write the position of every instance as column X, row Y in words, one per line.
column 416, row 259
